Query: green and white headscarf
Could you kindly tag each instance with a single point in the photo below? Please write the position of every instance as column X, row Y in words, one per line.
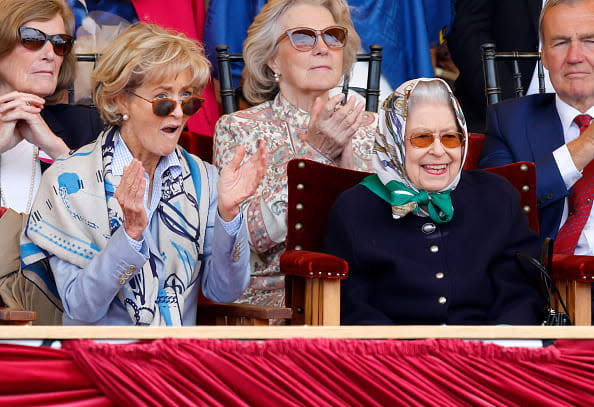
column 391, row 182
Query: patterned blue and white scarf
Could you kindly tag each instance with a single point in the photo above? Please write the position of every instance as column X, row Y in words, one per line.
column 75, row 214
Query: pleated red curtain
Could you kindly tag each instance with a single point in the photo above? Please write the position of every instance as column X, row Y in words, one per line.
column 301, row 372
column 41, row 376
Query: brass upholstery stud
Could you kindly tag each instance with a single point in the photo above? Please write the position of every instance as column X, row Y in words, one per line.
column 526, row 188
column 299, row 206
column 300, row 187
column 526, row 208
column 524, row 167
column 301, row 164
column 298, row 226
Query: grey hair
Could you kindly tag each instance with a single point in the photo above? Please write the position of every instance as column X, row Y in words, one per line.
column 549, row 5
column 434, row 91
column 260, row 45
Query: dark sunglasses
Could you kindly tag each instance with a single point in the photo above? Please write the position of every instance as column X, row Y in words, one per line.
column 448, row 140
column 164, row 106
column 305, row 39
column 34, row 39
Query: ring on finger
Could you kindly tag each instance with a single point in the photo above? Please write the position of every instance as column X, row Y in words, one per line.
column 27, row 103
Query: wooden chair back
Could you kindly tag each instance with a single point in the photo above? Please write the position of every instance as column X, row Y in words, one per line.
column 491, row 57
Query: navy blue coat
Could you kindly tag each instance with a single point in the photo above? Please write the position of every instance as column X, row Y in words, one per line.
column 529, row 129
column 463, row 272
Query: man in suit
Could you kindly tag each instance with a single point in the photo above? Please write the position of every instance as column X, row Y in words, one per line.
column 511, row 25
column 552, row 130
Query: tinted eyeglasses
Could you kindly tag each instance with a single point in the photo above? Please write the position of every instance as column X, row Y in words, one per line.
column 163, row 107
column 34, row 39
column 448, row 140
column 305, row 39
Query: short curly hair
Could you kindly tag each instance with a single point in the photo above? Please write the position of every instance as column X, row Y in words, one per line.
column 141, row 54
column 16, row 13
column 260, row 45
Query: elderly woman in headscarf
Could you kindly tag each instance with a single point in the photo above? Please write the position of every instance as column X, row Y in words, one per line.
column 132, row 225
column 426, row 242
column 296, row 51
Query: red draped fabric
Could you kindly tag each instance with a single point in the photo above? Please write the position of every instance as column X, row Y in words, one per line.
column 297, row 372
column 40, row 376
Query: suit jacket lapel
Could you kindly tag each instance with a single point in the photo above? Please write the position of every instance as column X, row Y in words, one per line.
column 543, row 128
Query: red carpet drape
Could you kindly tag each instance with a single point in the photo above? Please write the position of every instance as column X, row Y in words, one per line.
column 297, row 372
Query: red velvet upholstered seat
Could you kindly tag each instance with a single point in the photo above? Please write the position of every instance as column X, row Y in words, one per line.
column 313, row 188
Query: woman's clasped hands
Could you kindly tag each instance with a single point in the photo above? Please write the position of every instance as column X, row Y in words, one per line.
column 20, row 118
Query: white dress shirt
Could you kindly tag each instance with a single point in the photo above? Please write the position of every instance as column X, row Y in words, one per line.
column 533, row 87
column 570, row 173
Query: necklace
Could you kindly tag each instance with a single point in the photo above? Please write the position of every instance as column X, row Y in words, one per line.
column 3, row 201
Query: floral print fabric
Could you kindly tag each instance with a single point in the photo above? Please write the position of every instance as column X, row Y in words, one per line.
column 284, row 128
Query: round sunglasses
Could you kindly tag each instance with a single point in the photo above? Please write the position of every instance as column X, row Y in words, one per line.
column 34, row 39
column 163, row 107
column 448, row 140
column 305, row 39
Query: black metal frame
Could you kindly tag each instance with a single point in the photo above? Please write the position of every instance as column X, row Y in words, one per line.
column 229, row 94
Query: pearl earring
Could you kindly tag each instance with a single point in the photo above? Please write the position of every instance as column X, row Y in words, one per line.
column 276, row 77
column 125, row 117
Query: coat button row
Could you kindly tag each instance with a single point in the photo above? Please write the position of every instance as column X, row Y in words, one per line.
column 428, row 228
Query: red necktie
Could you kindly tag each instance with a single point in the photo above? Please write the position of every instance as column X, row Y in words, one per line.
column 580, row 202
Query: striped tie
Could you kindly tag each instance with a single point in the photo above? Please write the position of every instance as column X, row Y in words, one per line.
column 580, row 202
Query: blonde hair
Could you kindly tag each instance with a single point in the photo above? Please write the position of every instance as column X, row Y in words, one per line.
column 16, row 13
column 144, row 53
column 260, row 45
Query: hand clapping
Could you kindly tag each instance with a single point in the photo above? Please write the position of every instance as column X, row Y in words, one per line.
column 238, row 182
column 330, row 131
column 130, row 196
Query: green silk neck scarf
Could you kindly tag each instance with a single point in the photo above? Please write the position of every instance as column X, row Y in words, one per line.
column 439, row 204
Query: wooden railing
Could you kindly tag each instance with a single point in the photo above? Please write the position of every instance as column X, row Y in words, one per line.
column 278, row 332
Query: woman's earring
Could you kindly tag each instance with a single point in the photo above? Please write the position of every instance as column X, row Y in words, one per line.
column 125, row 117
column 276, row 77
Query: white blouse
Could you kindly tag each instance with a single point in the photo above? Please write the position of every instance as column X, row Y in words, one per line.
column 16, row 168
